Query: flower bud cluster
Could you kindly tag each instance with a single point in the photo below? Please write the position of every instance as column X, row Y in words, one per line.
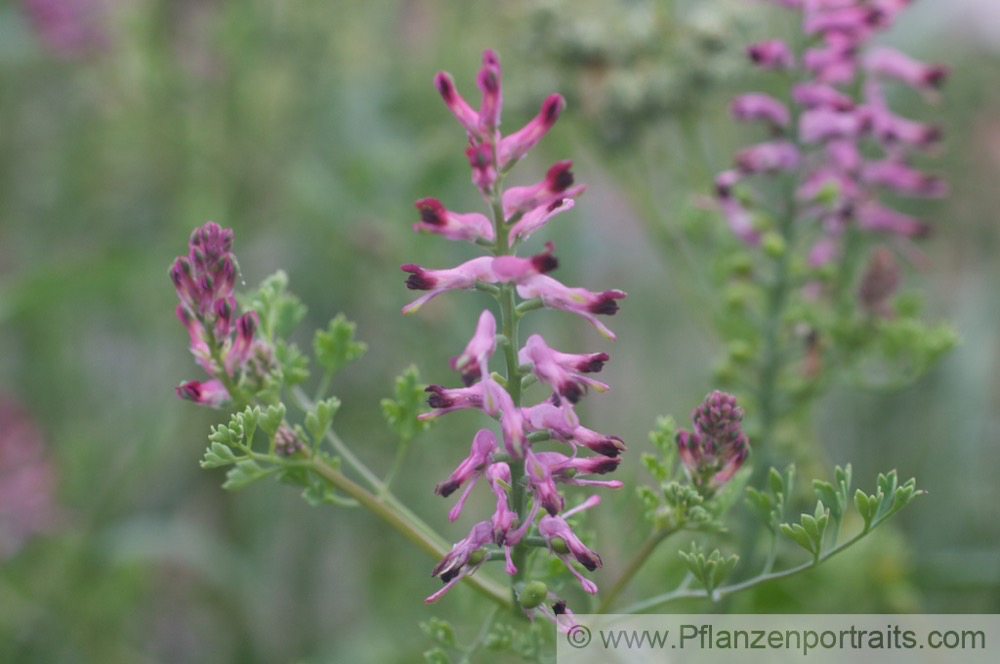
column 225, row 344
column 525, row 481
column 717, row 447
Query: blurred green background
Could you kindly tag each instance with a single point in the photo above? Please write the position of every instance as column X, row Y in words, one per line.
column 310, row 128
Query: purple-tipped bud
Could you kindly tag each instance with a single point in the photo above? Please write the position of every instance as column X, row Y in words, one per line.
column 488, row 81
column 516, row 145
column 818, row 95
column 435, row 218
column 896, row 175
column 460, row 108
column 886, row 61
column 536, row 218
column 759, row 107
column 557, row 185
column 579, row 301
column 484, row 171
column 768, row 157
column 771, row 54
column 471, row 469
column 875, row 217
column 210, row 393
column 471, row 364
column 559, row 370
column 464, row 558
column 463, row 277
column 822, row 124
column 516, row 270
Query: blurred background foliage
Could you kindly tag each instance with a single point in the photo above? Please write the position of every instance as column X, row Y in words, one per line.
column 310, row 128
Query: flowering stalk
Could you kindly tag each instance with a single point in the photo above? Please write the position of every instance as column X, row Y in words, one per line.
column 525, row 480
column 822, row 133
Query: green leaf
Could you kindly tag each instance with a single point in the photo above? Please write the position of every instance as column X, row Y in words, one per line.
column 243, row 474
column 272, row 419
column 335, row 346
column 798, row 534
column 440, row 632
column 655, row 467
column 863, row 505
column 710, row 571
column 293, row 365
column 777, row 482
column 278, row 310
column 436, row 656
column 319, row 419
column 401, row 413
column 662, row 438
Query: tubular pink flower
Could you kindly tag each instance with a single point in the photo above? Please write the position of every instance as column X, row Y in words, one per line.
column 463, row 277
column 560, row 419
column 836, row 62
column 209, row 393
column 534, row 219
column 852, row 20
column 557, row 185
column 511, row 420
column 435, row 218
column 567, row 470
column 560, row 537
column 543, row 485
column 471, row 364
column 739, row 220
column 470, row 470
column 465, row 114
column 820, row 124
column 196, row 332
column 819, row 95
column 446, row 400
column 886, row 61
column 514, row 269
column 873, row 216
column 464, row 558
column 484, row 172
column 896, row 175
column 768, row 157
column 562, row 371
column 771, row 54
column 578, row 301
column 891, row 129
column 488, row 81
column 606, row 445
column 239, row 353
column 504, row 519
column 759, row 107
column 514, row 146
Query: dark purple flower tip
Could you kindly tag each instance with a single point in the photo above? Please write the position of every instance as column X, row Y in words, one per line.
column 606, row 303
column 471, row 374
column 438, row 398
column 545, row 262
column 609, row 446
column 431, row 211
column 594, row 363
column 559, row 177
column 604, row 466
column 444, row 84
column 559, row 608
column 447, row 488
column 572, row 391
column 480, row 156
column 551, row 109
column 489, row 79
column 418, row 279
column 247, row 324
column 936, row 75
column 191, row 391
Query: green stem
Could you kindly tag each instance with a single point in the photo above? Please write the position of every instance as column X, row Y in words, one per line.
column 408, row 529
column 684, row 593
column 633, row 567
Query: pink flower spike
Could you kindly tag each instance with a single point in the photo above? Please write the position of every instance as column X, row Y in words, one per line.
column 516, row 270
column 210, row 393
column 901, row 178
column 534, row 219
column 886, row 61
column 463, row 277
column 561, row 371
column 875, row 217
column 558, row 184
column 768, row 157
column 574, row 300
column 771, row 54
column 488, row 81
column 464, row 558
column 435, row 218
column 471, row 364
column 756, row 106
column 460, row 108
column 511, row 148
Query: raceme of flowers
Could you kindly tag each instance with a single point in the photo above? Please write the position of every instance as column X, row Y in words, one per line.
column 822, row 132
column 525, row 480
column 717, row 448
column 225, row 345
